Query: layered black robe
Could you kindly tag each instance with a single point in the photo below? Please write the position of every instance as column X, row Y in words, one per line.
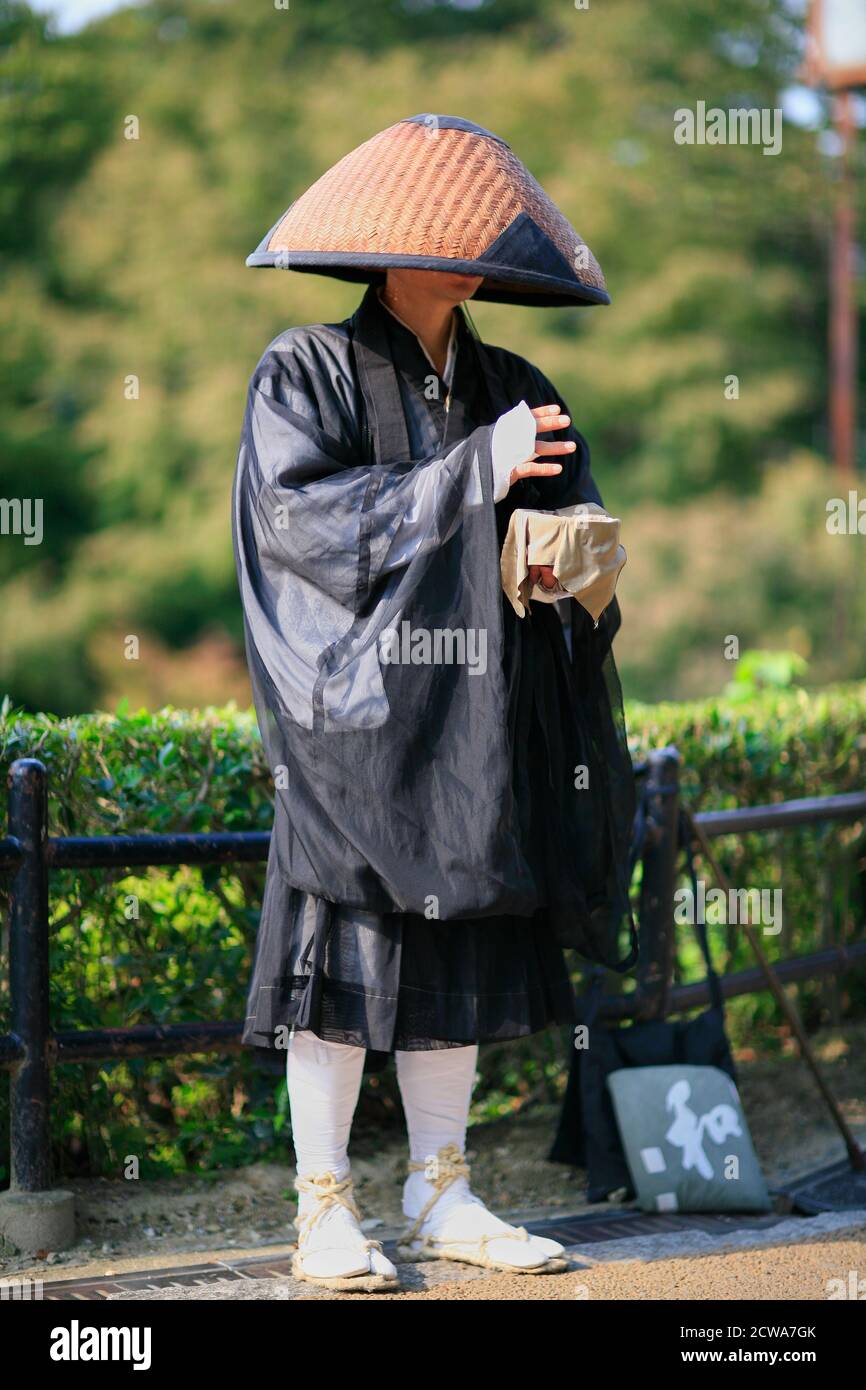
column 436, row 841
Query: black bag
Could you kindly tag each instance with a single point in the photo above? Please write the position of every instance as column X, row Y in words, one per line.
column 588, row 1136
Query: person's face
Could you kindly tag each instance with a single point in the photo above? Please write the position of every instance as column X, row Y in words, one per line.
column 442, row 285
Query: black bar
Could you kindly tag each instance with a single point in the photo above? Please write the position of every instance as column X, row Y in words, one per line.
column 656, row 908
column 122, row 851
column 146, row 1040
column 30, row 1076
column 10, row 854
column 753, row 981
column 11, row 1048
column 29, row 1051
column 113, row 851
column 170, row 1040
column 782, row 815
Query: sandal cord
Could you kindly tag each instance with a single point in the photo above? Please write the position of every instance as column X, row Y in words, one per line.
column 450, row 1164
column 329, row 1192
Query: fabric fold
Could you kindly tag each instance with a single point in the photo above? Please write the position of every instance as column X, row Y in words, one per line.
column 580, row 543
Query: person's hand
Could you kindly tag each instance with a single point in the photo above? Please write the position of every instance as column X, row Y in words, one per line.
column 547, row 417
column 543, row 575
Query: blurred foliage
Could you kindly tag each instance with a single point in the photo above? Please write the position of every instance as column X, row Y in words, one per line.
column 175, row 945
column 759, row 670
column 766, row 572
column 123, row 258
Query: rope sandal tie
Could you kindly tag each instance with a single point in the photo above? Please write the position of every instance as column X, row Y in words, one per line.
column 451, row 1165
column 330, row 1192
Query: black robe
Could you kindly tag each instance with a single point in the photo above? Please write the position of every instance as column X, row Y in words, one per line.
column 435, row 843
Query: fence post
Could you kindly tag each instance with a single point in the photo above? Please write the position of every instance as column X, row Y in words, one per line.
column 28, row 978
column 31, row 1215
column 655, row 913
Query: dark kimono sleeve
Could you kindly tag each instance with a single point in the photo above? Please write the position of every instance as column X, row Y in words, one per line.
column 599, row 697
column 317, row 530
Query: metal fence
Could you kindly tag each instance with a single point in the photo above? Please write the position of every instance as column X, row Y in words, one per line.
column 29, row 854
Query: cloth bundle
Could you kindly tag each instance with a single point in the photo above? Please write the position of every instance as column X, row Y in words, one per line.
column 581, row 543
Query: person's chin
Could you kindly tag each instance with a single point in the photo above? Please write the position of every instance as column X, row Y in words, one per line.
column 462, row 286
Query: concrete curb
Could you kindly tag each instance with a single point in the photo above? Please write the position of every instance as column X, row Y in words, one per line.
column 32, row 1221
column 680, row 1243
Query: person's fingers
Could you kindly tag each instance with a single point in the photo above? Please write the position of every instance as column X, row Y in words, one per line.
column 556, row 422
column 543, row 575
column 538, row 470
column 552, row 419
column 555, row 446
column 535, row 470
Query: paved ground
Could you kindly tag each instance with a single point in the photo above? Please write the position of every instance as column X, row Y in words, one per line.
column 103, row 1280
column 620, row 1257
column 796, row 1259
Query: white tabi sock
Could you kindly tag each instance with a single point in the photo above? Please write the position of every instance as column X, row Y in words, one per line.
column 324, row 1080
column 436, row 1088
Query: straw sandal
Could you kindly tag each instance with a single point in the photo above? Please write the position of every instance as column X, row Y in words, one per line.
column 415, row 1246
column 367, row 1268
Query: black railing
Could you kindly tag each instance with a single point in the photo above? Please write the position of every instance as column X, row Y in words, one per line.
column 31, row 1049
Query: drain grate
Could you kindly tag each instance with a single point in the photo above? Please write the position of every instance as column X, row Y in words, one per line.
column 835, row 1188
column 183, row 1276
column 625, row 1225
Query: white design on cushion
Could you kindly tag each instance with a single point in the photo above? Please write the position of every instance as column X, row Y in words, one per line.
column 653, row 1160
column 688, row 1129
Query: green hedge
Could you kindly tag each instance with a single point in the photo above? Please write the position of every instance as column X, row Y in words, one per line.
column 186, row 954
column 777, row 746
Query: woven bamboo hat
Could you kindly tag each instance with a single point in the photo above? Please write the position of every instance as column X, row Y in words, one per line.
column 437, row 193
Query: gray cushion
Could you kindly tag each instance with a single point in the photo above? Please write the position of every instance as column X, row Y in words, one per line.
column 686, row 1140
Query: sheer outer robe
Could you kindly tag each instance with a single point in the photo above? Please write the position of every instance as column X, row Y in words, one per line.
column 441, row 787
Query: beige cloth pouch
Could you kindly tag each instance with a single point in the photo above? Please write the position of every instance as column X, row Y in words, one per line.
column 582, row 545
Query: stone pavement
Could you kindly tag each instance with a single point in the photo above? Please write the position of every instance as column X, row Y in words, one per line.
column 627, row 1240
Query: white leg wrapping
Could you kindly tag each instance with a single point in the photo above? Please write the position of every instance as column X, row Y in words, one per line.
column 324, row 1080
column 447, row 1220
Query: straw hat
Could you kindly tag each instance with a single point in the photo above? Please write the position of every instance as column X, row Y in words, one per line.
column 437, row 193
